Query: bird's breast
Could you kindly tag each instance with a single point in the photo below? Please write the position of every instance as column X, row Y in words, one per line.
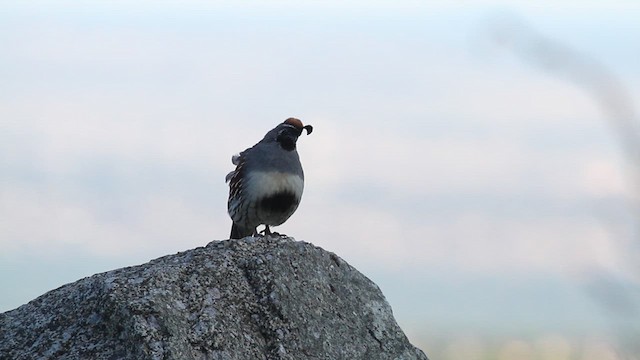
column 276, row 196
column 267, row 184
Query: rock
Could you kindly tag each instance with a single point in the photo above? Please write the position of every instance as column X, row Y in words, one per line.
column 253, row 298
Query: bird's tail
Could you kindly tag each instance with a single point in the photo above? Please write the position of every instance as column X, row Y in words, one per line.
column 238, row 232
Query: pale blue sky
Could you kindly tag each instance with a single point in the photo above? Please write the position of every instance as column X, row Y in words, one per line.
column 441, row 163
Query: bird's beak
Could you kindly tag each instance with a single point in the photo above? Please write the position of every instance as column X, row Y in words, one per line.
column 309, row 129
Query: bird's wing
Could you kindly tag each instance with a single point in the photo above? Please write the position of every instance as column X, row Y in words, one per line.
column 237, row 160
column 236, row 177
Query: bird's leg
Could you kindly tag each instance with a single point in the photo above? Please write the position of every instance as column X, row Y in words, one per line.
column 266, row 231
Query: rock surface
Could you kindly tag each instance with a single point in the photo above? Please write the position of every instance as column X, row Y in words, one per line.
column 253, row 298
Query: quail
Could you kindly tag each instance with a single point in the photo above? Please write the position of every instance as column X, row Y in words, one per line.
column 266, row 186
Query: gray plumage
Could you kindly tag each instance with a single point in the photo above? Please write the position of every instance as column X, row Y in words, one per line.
column 267, row 184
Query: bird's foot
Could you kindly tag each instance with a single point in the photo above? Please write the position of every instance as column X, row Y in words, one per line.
column 266, row 231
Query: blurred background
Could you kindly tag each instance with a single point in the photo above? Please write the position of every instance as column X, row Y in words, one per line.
column 477, row 160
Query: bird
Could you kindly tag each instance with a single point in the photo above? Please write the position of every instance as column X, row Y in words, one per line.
column 266, row 186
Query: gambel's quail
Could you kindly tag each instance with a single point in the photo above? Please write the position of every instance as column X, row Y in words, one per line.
column 266, row 186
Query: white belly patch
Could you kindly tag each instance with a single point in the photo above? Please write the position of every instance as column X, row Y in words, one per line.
column 269, row 183
column 276, row 195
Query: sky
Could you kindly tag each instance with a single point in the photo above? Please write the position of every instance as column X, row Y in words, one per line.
column 474, row 159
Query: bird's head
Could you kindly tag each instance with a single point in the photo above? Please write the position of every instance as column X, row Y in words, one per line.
column 288, row 132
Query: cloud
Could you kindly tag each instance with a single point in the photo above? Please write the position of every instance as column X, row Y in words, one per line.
column 423, row 153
